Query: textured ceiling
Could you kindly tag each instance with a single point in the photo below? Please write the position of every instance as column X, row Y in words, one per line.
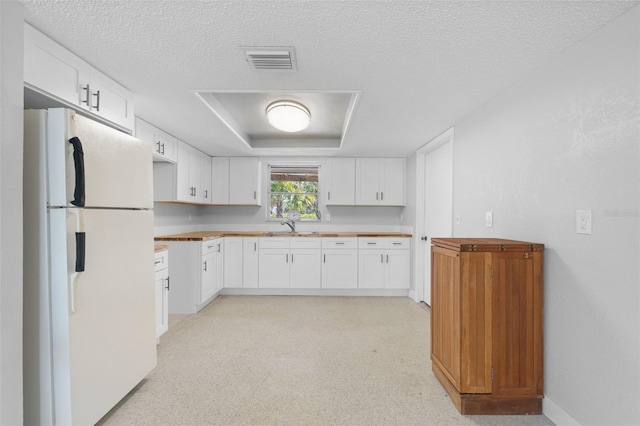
column 420, row 66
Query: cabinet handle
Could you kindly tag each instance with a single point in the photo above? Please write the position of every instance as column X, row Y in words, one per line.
column 382, row 196
column 324, row 258
column 287, row 258
column 195, row 191
column 372, row 244
column 159, row 151
column 398, row 244
column 86, row 101
column 255, row 246
column 159, row 261
column 339, row 244
column 168, row 284
column 376, row 196
column 206, row 193
column 218, row 248
column 329, row 195
column 382, row 258
column 162, row 148
column 205, row 265
column 254, row 195
column 97, row 95
column 387, row 258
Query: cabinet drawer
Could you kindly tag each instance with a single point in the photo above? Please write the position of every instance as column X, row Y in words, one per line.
column 306, row 243
column 161, row 260
column 384, row 243
column 274, row 242
column 339, row 243
column 211, row 246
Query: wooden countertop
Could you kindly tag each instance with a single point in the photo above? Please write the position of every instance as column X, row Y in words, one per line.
column 208, row 235
column 160, row 247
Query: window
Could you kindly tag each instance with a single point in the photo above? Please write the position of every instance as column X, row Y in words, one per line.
column 293, row 188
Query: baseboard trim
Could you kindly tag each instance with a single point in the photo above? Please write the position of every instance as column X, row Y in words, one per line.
column 314, row 292
column 556, row 414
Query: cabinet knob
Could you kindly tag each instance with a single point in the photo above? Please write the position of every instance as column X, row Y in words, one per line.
column 424, row 238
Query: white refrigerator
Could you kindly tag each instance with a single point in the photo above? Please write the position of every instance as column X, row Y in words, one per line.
column 89, row 305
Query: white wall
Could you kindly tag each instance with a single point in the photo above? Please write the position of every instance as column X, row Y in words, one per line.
column 11, row 106
column 568, row 138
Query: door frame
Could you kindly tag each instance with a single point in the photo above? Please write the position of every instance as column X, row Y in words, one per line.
column 420, row 248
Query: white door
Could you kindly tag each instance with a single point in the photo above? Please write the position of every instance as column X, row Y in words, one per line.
column 392, row 182
column 250, row 263
column 233, row 250
column 438, row 203
column 118, row 168
column 208, row 276
column 305, row 269
column 103, row 316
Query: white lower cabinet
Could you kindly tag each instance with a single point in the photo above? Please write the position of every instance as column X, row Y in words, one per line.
column 233, row 262
column 196, row 274
column 339, row 263
column 250, row 261
column 384, row 263
column 162, row 291
column 287, row 262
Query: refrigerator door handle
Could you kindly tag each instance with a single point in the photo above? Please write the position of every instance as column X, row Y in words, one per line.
column 78, row 160
column 80, row 251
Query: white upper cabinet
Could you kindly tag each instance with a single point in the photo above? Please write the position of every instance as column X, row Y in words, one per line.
column 206, row 179
column 244, row 181
column 51, row 69
column 165, row 146
column 340, row 178
column 380, row 181
column 219, row 180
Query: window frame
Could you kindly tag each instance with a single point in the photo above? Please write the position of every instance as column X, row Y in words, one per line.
column 292, row 164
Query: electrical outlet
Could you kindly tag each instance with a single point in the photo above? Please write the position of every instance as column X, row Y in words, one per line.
column 583, row 222
column 488, row 219
column 328, row 217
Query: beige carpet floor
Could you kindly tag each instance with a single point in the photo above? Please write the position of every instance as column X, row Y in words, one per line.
column 271, row 360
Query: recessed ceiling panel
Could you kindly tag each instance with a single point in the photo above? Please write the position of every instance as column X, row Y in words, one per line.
column 244, row 113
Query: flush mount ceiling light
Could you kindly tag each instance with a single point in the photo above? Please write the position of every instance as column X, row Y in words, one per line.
column 288, row 116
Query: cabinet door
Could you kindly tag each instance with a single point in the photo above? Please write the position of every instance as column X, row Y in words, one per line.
column 196, row 170
column 392, row 182
column 184, row 192
column 167, row 145
column 233, row 262
column 274, row 268
column 111, row 101
column 341, row 181
column 250, row 263
column 367, row 181
column 219, row 265
column 220, row 180
column 162, row 301
column 339, row 268
column 305, row 268
column 208, row 276
column 50, row 68
column 206, row 179
column 516, row 324
column 244, row 180
column 371, row 266
column 397, row 269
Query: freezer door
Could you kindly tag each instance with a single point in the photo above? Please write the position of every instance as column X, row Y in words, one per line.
column 103, row 317
column 118, row 168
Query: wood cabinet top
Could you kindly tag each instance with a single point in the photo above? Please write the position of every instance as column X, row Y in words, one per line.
column 208, row 235
column 485, row 244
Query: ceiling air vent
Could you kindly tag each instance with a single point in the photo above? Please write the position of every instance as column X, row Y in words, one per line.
column 271, row 58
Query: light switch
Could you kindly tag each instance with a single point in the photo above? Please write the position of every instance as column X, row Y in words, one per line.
column 583, row 222
column 488, row 220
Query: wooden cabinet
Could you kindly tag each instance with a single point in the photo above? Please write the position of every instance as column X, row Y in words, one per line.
column 161, row 260
column 339, row 262
column 244, row 181
column 165, row 146
column 384, row 263
column 380, row 182
column 51, row 69
column 287, row 262
column 340, row 178
column 486, row 324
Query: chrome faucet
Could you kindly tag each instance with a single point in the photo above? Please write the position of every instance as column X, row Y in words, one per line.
column 289, row 223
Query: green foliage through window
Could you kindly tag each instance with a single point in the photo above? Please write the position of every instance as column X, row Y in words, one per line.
column 294, row 188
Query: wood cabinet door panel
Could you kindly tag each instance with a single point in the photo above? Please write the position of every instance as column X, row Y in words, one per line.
column 513, row 323
column 475, row 323
column 445, row 312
